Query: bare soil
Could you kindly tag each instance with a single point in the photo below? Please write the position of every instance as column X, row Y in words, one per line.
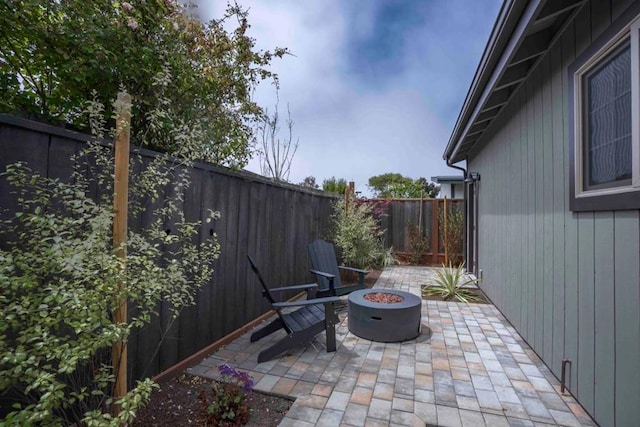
column 481, row 298
column 176, row 403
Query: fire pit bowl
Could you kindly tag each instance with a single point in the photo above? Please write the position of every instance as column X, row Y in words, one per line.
column 384, row 321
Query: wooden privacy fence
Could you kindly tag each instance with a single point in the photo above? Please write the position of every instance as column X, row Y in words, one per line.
column 272, row 222
column 425, row 216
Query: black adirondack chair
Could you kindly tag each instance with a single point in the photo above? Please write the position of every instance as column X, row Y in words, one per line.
column 301, row 325
column 325, row 266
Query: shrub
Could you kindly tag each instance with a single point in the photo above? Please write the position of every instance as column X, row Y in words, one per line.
column 60, row 281
column 357, row 234
column 453, row 220
column 450, row 284
column 418, row 244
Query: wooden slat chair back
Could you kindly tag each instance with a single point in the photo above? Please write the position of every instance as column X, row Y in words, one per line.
column 311, row 317
column 325, row 266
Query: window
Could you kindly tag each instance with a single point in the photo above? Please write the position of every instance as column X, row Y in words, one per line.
column 605, row 161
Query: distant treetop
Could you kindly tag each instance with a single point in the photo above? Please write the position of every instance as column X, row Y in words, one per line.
column 396, row 186
column 333, row 185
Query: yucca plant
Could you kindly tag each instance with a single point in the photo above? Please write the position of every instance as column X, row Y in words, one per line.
column 450, row 284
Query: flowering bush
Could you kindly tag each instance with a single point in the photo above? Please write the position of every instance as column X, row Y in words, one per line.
column 226, row 402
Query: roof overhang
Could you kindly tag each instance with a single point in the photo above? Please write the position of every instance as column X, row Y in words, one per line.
column 521, row 36
column 448, row 179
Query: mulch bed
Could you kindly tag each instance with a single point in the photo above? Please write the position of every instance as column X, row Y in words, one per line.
column 481, row 298
column 176, row 403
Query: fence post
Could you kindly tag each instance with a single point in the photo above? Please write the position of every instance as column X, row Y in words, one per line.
column 435, row 244
column 444, row 229
column 420, row 214
column 120, row 200
column 349, row 192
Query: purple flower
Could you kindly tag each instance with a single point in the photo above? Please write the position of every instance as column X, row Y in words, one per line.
column 240, row 377
column 133, row 24
column 127, row 6
column 226, row 369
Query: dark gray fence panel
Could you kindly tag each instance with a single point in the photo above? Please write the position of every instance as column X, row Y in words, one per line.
column 272, row 222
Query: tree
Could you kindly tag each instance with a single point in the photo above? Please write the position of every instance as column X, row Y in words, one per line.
column 396, row 186
column 333, row 185
column 382, row 184
column 55, row 53
column 431, row 190
column 310, row 182
column 276, row 154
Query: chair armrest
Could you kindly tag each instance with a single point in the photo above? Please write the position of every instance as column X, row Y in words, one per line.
column 323, row 274
column 306, row 302
column 295, row 288
column 330, row 278
column 357, row 270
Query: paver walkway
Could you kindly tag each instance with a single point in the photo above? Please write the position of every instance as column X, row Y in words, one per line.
column 472, row 370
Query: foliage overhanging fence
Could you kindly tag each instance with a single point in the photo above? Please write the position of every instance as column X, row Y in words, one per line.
column 272, row 222
column 425, row 215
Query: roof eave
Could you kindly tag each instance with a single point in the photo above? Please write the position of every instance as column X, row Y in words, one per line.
column 522, row 34
column 506, row 11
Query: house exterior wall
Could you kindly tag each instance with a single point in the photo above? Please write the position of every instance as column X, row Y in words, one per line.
column 568, row 282
column 451, row 191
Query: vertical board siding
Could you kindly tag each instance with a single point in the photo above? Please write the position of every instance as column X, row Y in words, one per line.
column 604, row 321
column 271, row 222
column 559, row 192
column 530, row 213
column 570, row 221
column 627, row 317
column 547, row 211
column 568, row 282
column 538, row 167
column 584, row 361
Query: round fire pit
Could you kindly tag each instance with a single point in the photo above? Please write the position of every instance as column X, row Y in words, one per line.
column 395, row 318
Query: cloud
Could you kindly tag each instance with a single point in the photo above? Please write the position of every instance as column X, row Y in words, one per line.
column 373, row 87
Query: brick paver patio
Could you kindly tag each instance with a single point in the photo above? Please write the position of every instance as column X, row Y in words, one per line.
column 473, row 369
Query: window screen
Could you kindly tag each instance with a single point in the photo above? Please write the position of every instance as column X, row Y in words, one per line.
column 607, row 104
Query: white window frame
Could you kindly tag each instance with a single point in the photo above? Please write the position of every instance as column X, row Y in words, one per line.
column 632, row 32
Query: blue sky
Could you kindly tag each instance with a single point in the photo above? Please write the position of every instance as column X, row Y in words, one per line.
column 373, row 86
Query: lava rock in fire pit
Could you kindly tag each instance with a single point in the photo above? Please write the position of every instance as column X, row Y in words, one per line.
column 383, row 298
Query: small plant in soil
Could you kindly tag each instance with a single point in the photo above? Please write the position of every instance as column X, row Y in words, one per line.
column 450, row 284
column 225, row 404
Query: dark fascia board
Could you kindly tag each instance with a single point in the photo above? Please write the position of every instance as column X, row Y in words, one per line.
column 520, row 20
column 448, row 179
column 502, row 28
